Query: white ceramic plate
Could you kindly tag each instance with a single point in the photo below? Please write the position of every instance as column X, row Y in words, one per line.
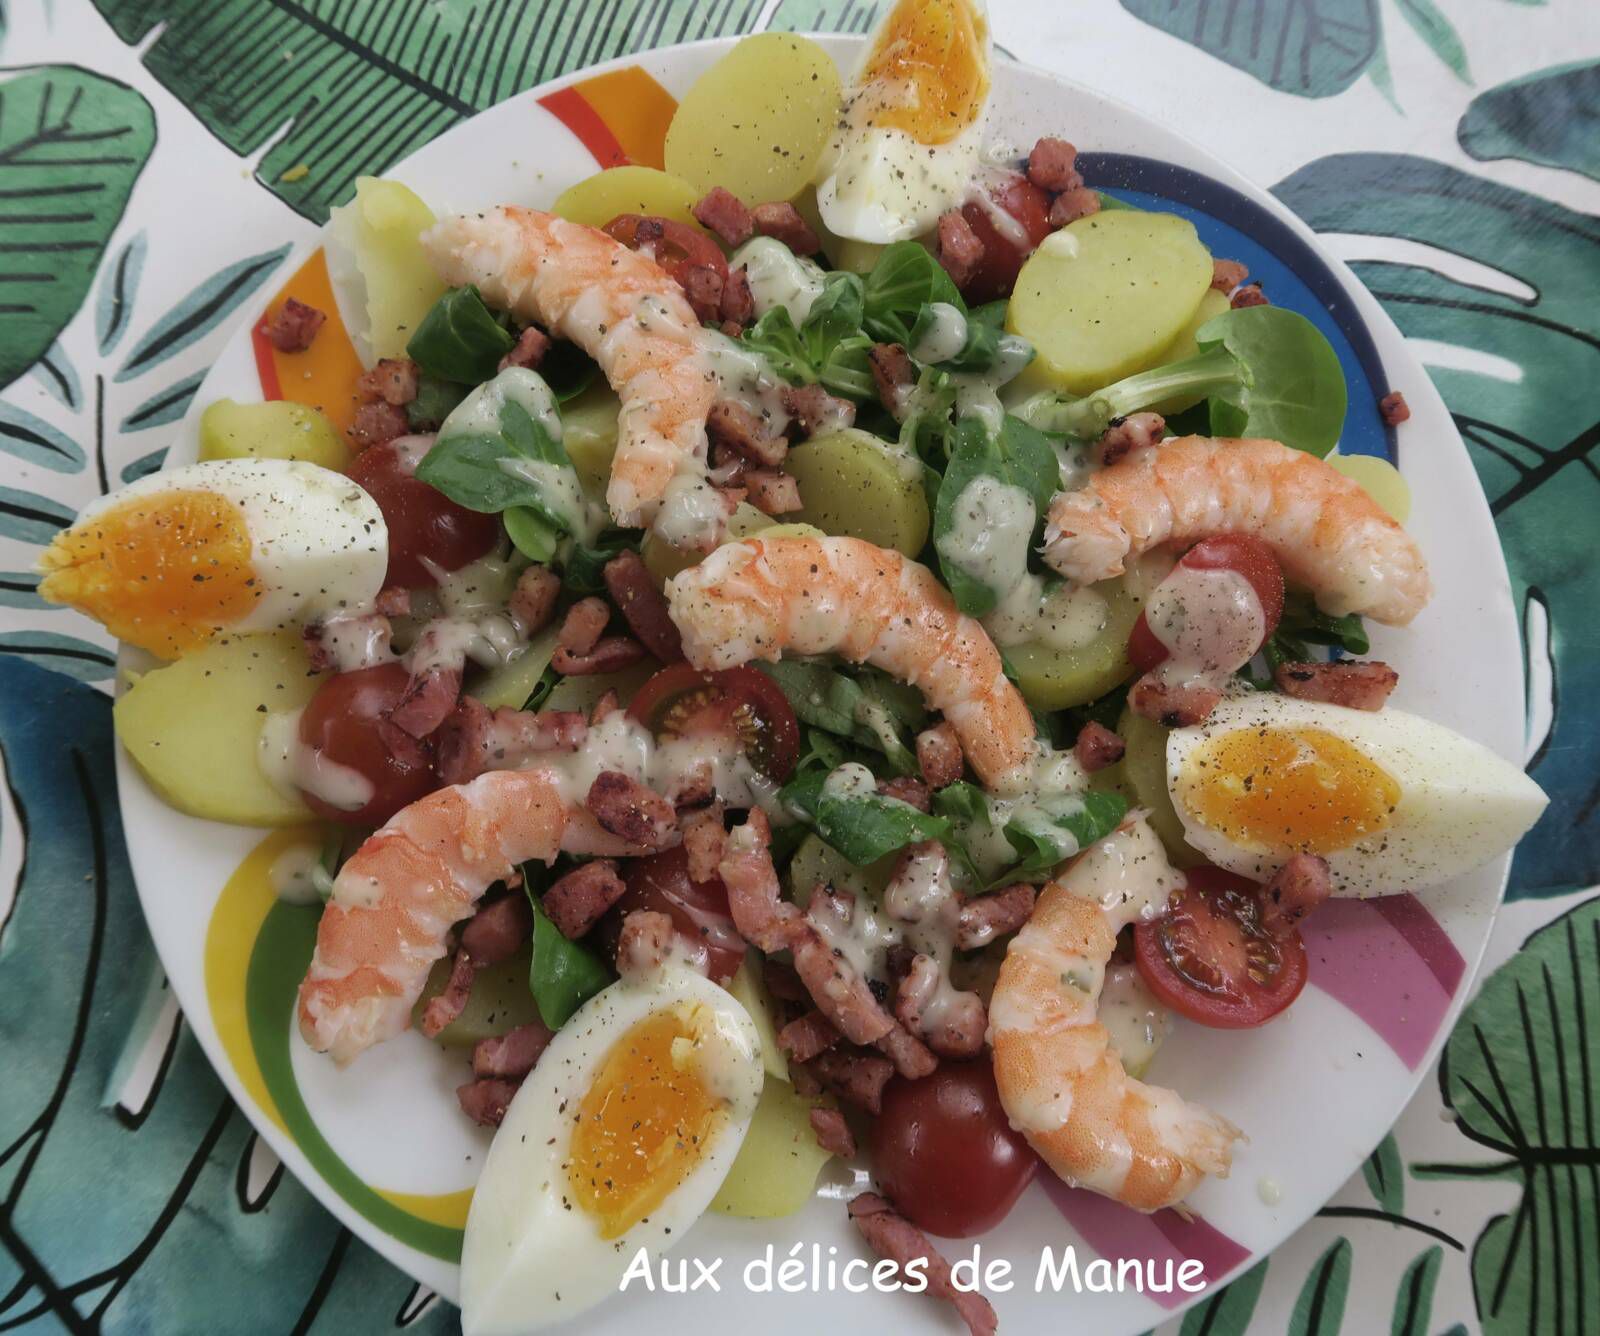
column 382, row 1143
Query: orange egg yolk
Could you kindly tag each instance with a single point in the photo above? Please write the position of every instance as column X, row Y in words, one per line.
column 643, row 1125
column 164, row 571
column 927, row 74
column 1303, row 789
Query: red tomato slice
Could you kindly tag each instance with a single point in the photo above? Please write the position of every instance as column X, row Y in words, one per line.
column 996, row 273
column 1213, row 958
column 698, row 909
column 681, row 702
column 675, row 247
column 1240, row 552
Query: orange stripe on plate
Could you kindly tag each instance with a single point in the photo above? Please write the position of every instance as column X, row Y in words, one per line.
column 569, row 107
column 324, row 375
column 636, row 110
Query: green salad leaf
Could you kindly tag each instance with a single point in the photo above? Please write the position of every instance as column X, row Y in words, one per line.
column 460, row 339
column 563, row 974
column 828, row 348
column 436, row 400
column 1303, row 624
column 1056, row 827
column 905, row 280
column 864, row 827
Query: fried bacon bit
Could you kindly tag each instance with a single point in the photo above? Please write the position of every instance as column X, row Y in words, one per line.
column 475, row 739
column 907, row 790
column 939, row 755
column 533, row 601
column 428, row 700
column 956, row 1030
column 857, row 1078
column 1097, row 747
column 705, row 842
column 806, row 1036
column 447, row 1004
column 498, row 930
column 1125, row 434
column 1226, row 275
column 1071, row 205
column 395, row 601
column 608, row 704
column 891, row 1235
column 629, row 810
column 610, row 655
column 584, row 624
column 1248, row 294
column 959, row 249
column 911, row 1057
column 643, row 606
column 833, row 1133
column 731, row 425
column 984, row 918
column 293, row 326
column 782, row 982
column 393, row 380
column 644, row 943
column 1175, row 706
column 532, row 344
column 892, row 373
column 781, row 221
column 1053, row 165
column 773, row 493
column 377, row 424
column 576, row 902
column 511, row 1056
column 486, row 1102
column 724, row 213
column 1297, row 888
column 1394, row 408
column 816, row 411
column 1357, row 685
column 703, row 285
column 738, row 302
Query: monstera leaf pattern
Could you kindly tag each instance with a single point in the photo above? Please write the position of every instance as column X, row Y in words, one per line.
column 72, row 144
column 1528, row 414
column 1547, row 117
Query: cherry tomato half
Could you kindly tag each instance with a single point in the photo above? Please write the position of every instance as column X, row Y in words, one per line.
column 1240, row 552
column 346, row 723
column 423, row 521
column 675, row 247
column 1003, row 249
column 1213, row 957
column 683, row 702
column 698, row 909
column 945, row 1154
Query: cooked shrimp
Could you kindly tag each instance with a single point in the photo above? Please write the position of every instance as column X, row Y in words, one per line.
column 1328, row 533
column 764, row 597
column 397, row 897
column 1061, row 1083
column 622, row 309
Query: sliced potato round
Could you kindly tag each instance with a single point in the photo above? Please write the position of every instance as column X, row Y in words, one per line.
column 775, row 1171
column 1186, row 345
column 1054, row 679
column 664, row 561
column 500, row 1000
column 382, row 228
column 1144, row 773
column 816, row 861
column 757, row 121
column 589, row 433
column 277, row 430
column 597, row 199
column 194, row 727
column 1102, row 297
column 855, row 485
column 1381, row 479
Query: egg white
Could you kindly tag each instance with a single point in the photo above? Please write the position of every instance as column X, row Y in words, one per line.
column 532, row 1257
column 1460, row 804
column 318, row 542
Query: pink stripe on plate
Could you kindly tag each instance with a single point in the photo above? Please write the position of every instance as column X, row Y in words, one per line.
column 1117, row 1232
column 1389, row 962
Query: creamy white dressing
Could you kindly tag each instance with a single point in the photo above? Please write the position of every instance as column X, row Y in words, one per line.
column 1061, row 244
column 294, row 874
column 850, row 780
column 355, row 641
column 993, row 176
column 778, row 277
column 692, row 511
column 1127, row 874
column 923, row 902
column 294, row 768
column 1210, row 622
column 988, row 538
column 1136, row 1022
column 1056, row 614
column 479, row 412
column 563, row 494
column 944, row 338
column 465, row 616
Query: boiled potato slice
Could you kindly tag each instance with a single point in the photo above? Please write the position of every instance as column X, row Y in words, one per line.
column 757, row 121
column 1054, row 679
column 500, row 1000
column 854, row 484
column 510, row 685
column 589, row 432
column 775, row 1171
column 1102, row 297
column 1382, row 481
column 194, row 727
column 382, row 228
column 1144, row 777
column 1186, row 345
column 841, row 252
column 597, row 199
column 750, row 989
column 583, row 693
column 815, row 860
column 277, row 430
column 664, row 561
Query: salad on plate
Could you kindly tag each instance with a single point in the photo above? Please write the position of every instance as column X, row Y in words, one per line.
column 817, row 651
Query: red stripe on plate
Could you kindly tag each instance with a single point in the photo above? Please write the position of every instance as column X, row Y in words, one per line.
column 568, row 106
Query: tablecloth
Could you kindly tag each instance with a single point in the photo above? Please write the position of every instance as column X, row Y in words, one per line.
column 1449, row 148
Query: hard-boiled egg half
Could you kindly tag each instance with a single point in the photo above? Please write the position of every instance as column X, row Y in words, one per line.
column 173, row 559
column 618, row 1141
column 1392, row 801
column 912, row 123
